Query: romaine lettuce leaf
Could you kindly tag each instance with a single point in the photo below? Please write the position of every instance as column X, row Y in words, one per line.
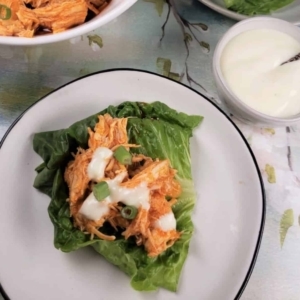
column 163, row 133
column 256, row 7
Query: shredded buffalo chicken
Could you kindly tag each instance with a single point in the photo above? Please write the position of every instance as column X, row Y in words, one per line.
column 26, row 18
column 156, row 174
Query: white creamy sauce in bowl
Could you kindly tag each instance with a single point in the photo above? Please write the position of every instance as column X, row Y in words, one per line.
column 251, row 66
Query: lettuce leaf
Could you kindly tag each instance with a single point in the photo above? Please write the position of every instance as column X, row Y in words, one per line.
column 256, row 7
column 162, row 133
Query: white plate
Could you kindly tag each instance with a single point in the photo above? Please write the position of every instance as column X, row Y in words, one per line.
column 228, row 217
column 290, row 13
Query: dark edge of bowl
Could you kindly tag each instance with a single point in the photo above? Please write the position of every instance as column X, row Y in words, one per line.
column 255, row 254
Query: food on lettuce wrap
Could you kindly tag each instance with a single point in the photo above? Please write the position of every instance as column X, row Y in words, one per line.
column 256, row 7
column 121, row 182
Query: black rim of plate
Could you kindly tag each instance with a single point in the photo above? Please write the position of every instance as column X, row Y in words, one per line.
column 255, row 254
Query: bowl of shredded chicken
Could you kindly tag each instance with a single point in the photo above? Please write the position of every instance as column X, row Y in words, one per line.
column 31, row 22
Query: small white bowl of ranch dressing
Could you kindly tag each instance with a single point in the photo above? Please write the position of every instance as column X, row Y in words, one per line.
column 250, row 75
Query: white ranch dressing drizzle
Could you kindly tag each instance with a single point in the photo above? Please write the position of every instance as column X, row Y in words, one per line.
column 251, row 65
column 166, row 222
column 93, row 209
column 99, row 161
column 137, row 197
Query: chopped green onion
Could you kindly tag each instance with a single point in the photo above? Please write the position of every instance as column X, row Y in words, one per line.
column 101, row 190
column 129, row 212
column 123, row 156
column 7, row 14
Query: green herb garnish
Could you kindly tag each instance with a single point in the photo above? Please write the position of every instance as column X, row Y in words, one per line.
column 129, row 212
column 123, row 156
column 7, row 15
column 101, row 190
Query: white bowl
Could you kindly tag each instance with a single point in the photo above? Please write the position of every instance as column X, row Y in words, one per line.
column 113, row 10
column 238, row 108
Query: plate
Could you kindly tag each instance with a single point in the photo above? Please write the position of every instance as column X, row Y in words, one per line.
column 290, row 13
column 228, row 217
